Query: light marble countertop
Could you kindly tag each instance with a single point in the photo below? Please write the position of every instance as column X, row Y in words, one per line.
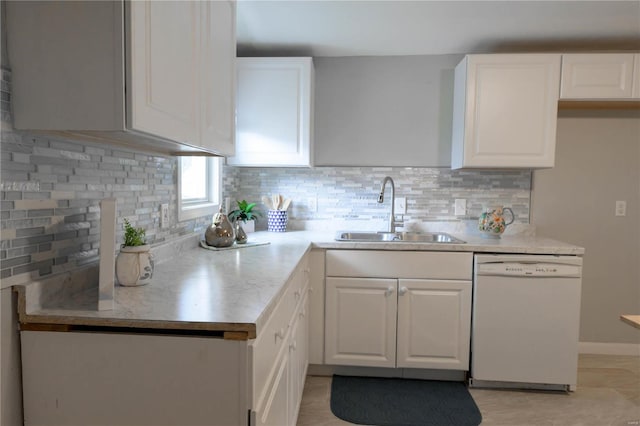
column 221, row 291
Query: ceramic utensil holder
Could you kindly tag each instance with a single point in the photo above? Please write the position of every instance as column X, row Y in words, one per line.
column 277, row 220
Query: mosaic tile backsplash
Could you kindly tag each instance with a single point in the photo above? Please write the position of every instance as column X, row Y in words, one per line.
column 348, row 195
column 51, row 189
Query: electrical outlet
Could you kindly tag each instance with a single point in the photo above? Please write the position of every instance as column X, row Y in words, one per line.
column 621, row 208
column 312, row 204
column 460, row 207
column 164, row 215
column 401, row 205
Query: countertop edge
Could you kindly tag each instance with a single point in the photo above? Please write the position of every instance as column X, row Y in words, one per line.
column 304, row 242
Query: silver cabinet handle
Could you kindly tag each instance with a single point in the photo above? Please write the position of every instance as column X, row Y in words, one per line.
column 389, row 291
column 402, row 291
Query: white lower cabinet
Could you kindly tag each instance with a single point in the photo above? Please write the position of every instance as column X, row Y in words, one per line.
column 398, row 321
column 361, row 322
column 284, row 393
column 281, row 356
column 114, row 378
column 434, row 318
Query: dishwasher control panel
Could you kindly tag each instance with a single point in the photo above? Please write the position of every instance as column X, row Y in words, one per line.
column 529, row 267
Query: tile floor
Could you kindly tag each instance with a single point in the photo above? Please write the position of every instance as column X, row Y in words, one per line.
column 608, row 394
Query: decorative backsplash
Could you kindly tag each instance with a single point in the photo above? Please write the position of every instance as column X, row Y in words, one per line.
column 51, row 189
column 349, row 194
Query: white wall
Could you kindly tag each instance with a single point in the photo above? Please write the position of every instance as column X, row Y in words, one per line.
column 597, row 163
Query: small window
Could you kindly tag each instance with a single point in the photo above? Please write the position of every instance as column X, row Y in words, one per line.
column 198, row 186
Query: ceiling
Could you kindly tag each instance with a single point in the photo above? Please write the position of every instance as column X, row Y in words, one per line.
column 421, row 27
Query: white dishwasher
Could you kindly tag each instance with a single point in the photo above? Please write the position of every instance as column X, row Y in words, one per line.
column 525, row 321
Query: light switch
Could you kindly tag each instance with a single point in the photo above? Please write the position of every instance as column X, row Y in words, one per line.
column 401, row 205
column 621, row 208
column 460, row 207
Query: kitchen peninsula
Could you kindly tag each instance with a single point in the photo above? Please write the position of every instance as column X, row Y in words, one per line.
column 227, row 329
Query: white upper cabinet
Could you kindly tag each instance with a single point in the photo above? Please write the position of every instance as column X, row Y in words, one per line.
column 157, row 76
column 274, row 112
column 599, row 76
column 505, row 111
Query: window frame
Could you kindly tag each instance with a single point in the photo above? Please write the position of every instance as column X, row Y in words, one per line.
column 208, row 206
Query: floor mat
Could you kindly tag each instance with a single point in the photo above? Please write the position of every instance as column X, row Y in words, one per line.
column 402, row 402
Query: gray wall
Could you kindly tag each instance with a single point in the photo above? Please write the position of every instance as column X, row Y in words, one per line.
column 597, row 163
column 384, row 111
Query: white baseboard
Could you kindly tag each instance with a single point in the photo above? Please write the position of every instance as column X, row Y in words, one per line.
column 609, row 348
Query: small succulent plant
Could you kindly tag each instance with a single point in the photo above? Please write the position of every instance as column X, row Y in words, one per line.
column 244, row 212
column 133, row 236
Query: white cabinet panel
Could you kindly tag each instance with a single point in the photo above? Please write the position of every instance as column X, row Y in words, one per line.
column 597, row 76
column 276, row 409
column 411, row 322
column 116, row 379
column 218, row 76
column 278, row 377
column 274, row 112
column 361, row 322
column 434, row 319
column 164, row 74
column 316, row 307
column 505, row 111
column 399, row 264
column 157, row 76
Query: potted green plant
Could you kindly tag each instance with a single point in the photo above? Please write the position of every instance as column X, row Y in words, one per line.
column 245, row 212
column 134, row 264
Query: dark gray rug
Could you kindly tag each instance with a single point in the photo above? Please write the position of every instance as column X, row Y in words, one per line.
column 402, row 402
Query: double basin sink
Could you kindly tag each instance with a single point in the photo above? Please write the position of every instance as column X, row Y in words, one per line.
column 403, row 237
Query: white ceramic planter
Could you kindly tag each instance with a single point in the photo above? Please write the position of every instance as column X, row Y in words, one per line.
column 134, row 265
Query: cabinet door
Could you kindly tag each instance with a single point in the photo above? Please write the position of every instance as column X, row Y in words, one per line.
column 163, row 75
column 597, row 76
column 218, row 76
column 299, row 359
column 316, row 307
column 434, row 323
column 274, row 99
column 275, row 411
column 361, row 322
column 505, row 111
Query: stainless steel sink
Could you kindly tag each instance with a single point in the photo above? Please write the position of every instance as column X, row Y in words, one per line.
column 406, row 237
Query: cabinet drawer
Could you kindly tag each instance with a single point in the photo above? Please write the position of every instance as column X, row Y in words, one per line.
column 299, row 282
column 269, row 342
column 399, row 264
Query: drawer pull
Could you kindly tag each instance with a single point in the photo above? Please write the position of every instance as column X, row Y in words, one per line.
column 280, row 334
column 389, row 291
column 296, row 294
column 402, row 291
column 293, row 346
